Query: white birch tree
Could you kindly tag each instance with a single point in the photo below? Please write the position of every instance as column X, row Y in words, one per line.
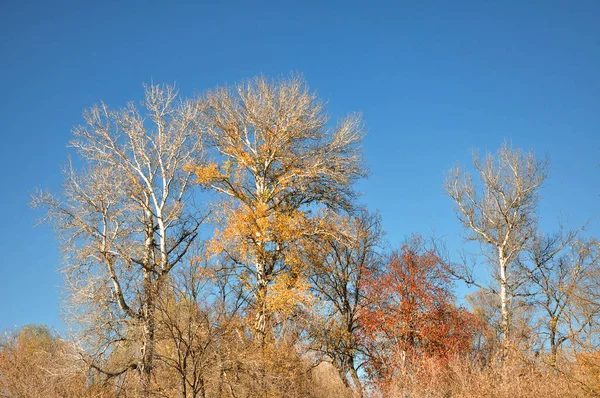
column 501, row 214
column 125, row 220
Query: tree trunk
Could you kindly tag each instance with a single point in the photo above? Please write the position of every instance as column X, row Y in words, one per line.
column 358, row 393
column 148, row 311
column 553, row 343
column 260, row 326
column 201, row 390
column 148, row 334
column 504, row 304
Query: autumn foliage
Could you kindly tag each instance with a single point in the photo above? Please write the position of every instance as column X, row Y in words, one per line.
column 411, row 314
column 215, row 247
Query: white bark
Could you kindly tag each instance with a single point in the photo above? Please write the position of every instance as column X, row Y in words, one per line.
column 124, row 220
column 501, row 215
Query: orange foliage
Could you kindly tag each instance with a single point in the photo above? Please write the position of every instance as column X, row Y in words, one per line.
column 286, row 293
column 205, row 174
column 411, row 315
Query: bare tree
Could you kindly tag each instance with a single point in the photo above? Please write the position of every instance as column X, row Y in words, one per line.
column 275, row 163
column 197, row 314
column 500, row 214
column 125, row 221
column 563, row 270
column 186, row 334
column 339, row 264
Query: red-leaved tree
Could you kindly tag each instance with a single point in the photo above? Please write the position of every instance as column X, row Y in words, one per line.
column 411, row 314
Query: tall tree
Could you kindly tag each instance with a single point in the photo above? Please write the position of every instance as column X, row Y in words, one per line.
column 125, row 221
column 275, row 163
column 501, row 214
column 339, row 265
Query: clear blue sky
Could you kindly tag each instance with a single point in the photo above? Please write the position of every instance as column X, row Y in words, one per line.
column 432, row 79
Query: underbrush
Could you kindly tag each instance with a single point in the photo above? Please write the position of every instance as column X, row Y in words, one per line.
column 513, row 377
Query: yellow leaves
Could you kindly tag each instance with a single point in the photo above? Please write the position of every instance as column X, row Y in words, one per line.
column 244, row 158
column 227, row 165
column 205, row 174
column 286, row 293
column 34, row 338
column 248, row 231
column 290, row 226
column 336, row 332
column 207, row 272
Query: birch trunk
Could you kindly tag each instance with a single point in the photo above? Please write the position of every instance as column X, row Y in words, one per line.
column 261, row 304
column 504, row 304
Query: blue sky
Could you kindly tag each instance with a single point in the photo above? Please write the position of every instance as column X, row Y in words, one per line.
column 433, row 80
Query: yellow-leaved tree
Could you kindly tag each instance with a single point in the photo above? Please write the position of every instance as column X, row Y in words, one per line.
column 276, row 166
